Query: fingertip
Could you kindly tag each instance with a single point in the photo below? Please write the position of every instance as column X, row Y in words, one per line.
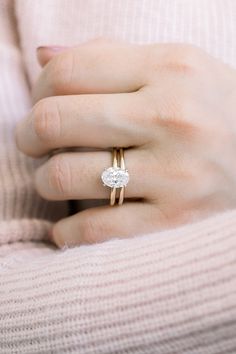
column 58, row 234
column 54, row 238
column 46, row 53
column 50, row 237
column 19, row 136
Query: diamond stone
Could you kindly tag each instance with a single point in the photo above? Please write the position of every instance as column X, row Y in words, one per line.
column 115, row 177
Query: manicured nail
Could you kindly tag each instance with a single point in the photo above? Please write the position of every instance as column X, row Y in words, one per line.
column 52, row 48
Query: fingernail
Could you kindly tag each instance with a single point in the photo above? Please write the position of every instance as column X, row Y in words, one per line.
column 52, row 48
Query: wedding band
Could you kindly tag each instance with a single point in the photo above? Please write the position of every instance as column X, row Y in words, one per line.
column 117, row 176
column 122, row 166
column 115, row 165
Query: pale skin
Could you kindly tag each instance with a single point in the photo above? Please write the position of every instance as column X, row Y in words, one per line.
column 171, row 106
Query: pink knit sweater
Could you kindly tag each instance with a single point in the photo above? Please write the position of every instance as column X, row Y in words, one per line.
column 164, row 293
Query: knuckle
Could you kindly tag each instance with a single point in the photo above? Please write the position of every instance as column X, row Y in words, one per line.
column 179, row 58
column 47, row 120
column 175, row 114
column 180, row 120
column 185, row 59
column 59, row 175
column 62, row 71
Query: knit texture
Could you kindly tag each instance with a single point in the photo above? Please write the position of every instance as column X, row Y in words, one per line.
column 169, row 292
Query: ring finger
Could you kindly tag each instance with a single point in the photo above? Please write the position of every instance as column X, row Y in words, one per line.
column 77, row 175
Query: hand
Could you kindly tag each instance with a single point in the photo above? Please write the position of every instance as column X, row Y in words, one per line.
column 172, row 106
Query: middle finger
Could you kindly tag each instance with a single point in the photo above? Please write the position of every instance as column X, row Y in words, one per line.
column 98, row 120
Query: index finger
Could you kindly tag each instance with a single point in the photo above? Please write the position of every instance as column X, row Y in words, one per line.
column 95, row 67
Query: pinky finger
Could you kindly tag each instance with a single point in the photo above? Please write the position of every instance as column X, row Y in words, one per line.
column 102, row 223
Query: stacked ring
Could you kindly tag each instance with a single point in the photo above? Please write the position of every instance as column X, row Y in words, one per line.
column 116, row 177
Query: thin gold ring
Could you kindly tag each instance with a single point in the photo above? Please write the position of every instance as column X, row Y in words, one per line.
column 122, row 165
column 114, row 164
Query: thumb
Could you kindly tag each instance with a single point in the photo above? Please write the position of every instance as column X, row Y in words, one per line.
column 44, row 54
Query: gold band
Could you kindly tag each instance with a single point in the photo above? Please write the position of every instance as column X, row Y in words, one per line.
column 122, row 165
column 114, row 164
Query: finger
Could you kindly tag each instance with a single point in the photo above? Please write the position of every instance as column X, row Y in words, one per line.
column 78, row 175
column 95, row 67
column 99, row 121
column 105, row 222
column 46, row 53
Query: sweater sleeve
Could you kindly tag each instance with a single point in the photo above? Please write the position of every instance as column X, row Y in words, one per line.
column 170, row 292
column 24, row 215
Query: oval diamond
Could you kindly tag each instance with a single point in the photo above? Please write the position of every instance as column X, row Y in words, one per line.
column 115, row 177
